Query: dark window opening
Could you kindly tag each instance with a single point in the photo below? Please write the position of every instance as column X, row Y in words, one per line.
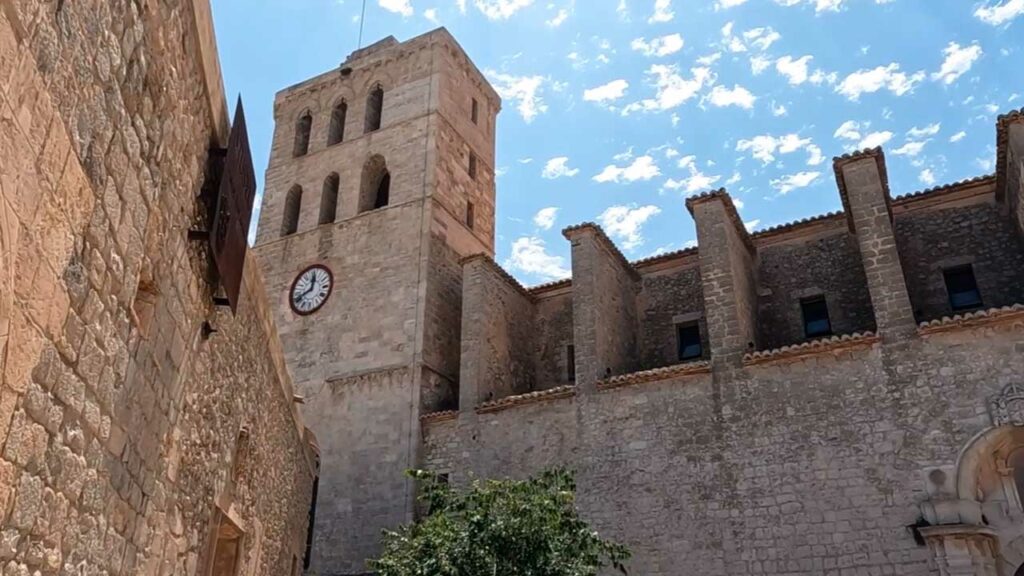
column 374, row 106
column 329, row 200
column 302, row 130
column 307, row 558
column 570, row 362
column 1016, row 461
column 816, row 320
column 688, row 339
column 472, row 165
column 375, row 189
column 470, row 215
column 962, row 288
column 474, row 111
column 292, row 205
column 337, row 131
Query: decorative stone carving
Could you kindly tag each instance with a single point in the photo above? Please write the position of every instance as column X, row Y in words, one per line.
column 963, row 549
column 1007, row 407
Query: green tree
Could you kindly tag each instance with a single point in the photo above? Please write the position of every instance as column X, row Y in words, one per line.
column 498, row 528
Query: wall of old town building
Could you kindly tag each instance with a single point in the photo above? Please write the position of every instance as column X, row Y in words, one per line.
column 130, row 438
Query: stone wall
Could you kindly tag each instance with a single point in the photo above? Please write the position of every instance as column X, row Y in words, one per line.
column 552, row 337
column 979, row 234
column 810, row 465
column 669, row 298
column 127, row 429
column 829, row 265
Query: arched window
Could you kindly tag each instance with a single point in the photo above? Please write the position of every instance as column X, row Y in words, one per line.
column 302, row 129
column 337, row 131
column 329, row 200
column 375, row 188
column 292, row 205
column 374, row 105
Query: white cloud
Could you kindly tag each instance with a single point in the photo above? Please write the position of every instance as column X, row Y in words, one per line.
column 606, row 92
column 883, row 77
column 958, row 136
column 500, row 9
column 545, row 217
column 848, row 130
column 697, row 181
column 725, row 4
column 929, row 130
column 815, row 157
column 462, row 5
column 762, row 38
column 626, row 222
column 402, row 7
column 1000, row 13
column 529, row 255
column 912, row 148
column 673, row 89
column 642, row 168
column 791, row 182
column 875, row 139
column 766, row 146
column 721, row 96
column 661, row 46
column 431, row 14
column 662, row 12
column 959, row 60
column 559, row 18
column 759, row 64
column 820, row 5
column 558, row 167
column 522, row 89
column 927, row 177
column 751, row 225
column 794, row 70
column 778, row 110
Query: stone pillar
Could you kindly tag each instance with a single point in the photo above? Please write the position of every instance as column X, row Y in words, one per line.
column 497, row 325
column 604, row 307
column 1010, row 168
column 728, row 274
column 864, row 188
column 963, row 549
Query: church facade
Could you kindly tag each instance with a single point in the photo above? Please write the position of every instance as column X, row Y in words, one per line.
column 840, row 395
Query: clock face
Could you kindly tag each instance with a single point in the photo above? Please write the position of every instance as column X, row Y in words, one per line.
column 311, row 289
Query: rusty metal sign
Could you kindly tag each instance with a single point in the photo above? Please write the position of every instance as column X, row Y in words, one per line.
column 235, row 197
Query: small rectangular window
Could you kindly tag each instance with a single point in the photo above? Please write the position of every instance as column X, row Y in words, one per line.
column 470, row 215
column 962, row 288
column 688, row 341
column 474, row 113
column 570, row 362
column 816, row 320
column 472, row 165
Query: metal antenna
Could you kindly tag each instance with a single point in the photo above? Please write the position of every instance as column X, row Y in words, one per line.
column 361, row 18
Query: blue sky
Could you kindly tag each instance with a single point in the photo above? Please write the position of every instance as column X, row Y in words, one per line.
column 616, row 110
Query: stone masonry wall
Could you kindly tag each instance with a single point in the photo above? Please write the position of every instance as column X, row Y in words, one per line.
column 551, row 339
column 828, row 265
column 979, row 234
column 1015, row 176
column 801, row 467
column 119, row 421
column 667, row 297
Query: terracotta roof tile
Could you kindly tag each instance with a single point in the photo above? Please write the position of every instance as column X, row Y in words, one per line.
column 655, row 374
column 549, row 286
column 528, row 398
column 440, row 416
column 664, row 256
column 797, row 223
column 945, row 187
column 813, row 347
column 972, row 319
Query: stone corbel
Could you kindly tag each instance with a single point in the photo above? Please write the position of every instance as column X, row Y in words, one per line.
column 963, row 549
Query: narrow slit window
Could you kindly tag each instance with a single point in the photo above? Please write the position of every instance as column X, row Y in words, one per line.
column 329, row 200
column 470, row 215
column 383, row 191
column 962, row 288
column 688, row 338
column 570, row 362
column 292, row 207
column 374, row 108
column 472, row 166
column 474, row 112
column 815, row 314
column 337, row 131
column 302, row 130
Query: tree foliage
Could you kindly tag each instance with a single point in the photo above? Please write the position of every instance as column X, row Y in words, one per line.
column 498, row 528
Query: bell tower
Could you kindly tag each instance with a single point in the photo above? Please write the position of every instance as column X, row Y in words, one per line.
column 381, row 179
